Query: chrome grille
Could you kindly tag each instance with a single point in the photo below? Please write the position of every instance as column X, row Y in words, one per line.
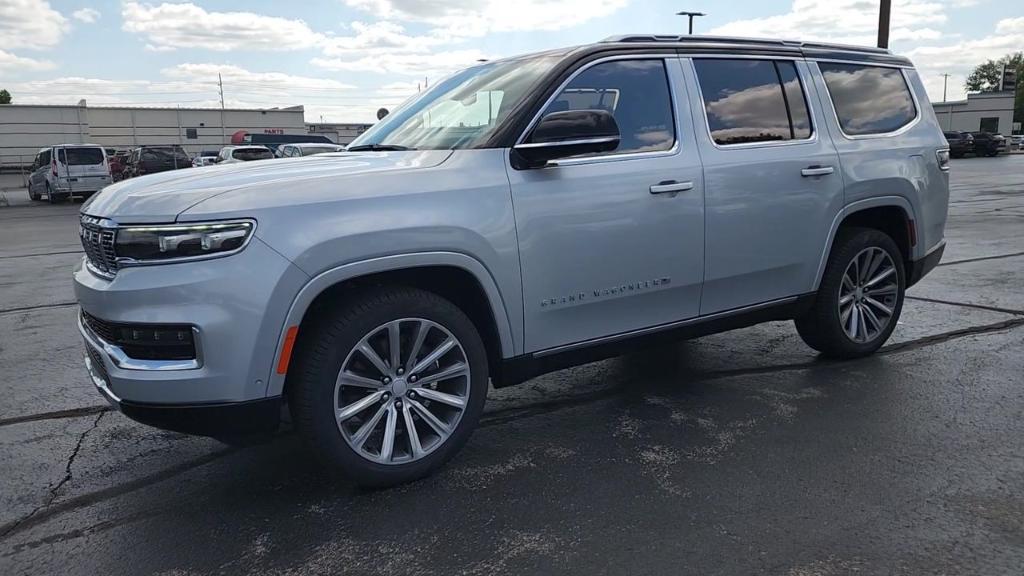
column 97, row 237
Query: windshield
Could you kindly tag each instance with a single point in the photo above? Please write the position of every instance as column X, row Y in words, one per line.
column 461, row 111
column 81, row 156
column 247, row 154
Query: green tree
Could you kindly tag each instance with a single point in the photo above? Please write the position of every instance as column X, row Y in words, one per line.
column 5, row 97
column 986, row 77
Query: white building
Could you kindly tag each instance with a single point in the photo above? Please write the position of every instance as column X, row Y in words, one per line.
column 987, row 111
column 24, row 129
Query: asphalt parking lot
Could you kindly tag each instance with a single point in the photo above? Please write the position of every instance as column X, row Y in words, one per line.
column 740, row 453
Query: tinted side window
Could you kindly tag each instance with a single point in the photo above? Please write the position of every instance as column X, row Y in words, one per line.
column 44, row 157
column 753, row 101
column 799, row 117
column 636, row 92
column 868, row 99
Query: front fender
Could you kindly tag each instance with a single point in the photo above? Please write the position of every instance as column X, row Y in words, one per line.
column 324, row 280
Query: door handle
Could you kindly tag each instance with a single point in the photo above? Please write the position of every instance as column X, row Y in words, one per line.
column 670, row 187
column 817, row 171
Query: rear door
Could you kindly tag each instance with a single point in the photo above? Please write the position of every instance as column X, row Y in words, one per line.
column 772, row 179
column 83, row 166
column 612, row 243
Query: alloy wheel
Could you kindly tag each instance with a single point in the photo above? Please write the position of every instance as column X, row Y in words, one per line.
column 868, row 295
column 402, row 391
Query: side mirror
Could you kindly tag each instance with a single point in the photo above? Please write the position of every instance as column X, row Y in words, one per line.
column 568, row 133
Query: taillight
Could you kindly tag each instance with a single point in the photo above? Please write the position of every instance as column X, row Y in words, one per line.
column 942, row 156
column 53, row 166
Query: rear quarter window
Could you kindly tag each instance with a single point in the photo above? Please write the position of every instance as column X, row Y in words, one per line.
column 868, row 99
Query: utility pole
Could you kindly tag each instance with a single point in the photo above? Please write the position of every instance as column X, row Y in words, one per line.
column 945, row 81
column 691, row 16
column 220, row 90
column 884, row 11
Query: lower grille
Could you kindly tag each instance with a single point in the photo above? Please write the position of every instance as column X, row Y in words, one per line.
column 145, row 341
column 97, row 363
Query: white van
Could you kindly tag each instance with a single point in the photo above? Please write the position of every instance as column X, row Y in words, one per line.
column 67, row 169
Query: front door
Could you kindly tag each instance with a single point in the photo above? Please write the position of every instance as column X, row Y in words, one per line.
column 614, row 242
column 772, row 179
column 37, row 179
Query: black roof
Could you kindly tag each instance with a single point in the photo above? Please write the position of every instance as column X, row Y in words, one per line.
column 728, row 45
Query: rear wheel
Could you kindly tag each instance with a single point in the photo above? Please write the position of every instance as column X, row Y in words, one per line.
column 860, row 297
column 389, row 386
column 32, row 195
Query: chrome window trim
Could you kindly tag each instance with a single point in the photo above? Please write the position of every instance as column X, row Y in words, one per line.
column 835, row 114
column 601, row 140
column 124, row 362
column 674, row 150
column 860, row 63
column 813, row 139
column 624, row 155
column 794, row 58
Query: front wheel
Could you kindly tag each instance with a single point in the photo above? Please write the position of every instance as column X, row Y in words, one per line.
column 389, row 386
column 860, row 297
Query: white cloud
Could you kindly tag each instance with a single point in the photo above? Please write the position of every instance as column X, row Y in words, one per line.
column 431, row 64
column 458, row 18
column 238, row 76
column 379, row 36
column 1010, row 26
column 169, row 26
column 87, row 15
column 845, row 21
column 15, row 63
column 30, row 24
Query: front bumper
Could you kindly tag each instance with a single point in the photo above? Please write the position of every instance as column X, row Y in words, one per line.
column 231, row 419
column 237, row 305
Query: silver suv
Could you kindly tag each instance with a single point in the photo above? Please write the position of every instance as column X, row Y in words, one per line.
column 519, row 217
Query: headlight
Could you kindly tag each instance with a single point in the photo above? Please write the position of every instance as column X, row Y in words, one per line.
column 140, row 245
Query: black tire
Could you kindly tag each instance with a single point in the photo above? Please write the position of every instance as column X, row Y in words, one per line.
column 33, row 196
column 324, row 345
column 821, row 327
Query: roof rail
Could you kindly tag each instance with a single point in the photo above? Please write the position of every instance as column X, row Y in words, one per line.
column 697, row 39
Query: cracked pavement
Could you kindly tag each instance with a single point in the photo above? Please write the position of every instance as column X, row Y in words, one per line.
column 739, row 453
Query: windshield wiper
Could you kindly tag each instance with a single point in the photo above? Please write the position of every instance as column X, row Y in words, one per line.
column 378, row 148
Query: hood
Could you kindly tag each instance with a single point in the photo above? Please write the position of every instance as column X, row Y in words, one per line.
column 162, row 197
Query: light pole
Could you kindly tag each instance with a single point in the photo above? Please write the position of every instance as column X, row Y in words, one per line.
column 945, row 80
column 884, row 10
column 691, row 16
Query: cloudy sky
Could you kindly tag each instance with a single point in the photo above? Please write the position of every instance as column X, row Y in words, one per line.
column 343, row 59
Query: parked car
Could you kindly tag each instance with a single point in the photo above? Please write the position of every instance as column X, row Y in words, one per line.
column 68, row 169
column 306, row 149
column 205, row 158
column 236, row 154
column 522, row 216
column 155, row 159
column 960, row 143
column 988, row 144
column 1017, row 141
